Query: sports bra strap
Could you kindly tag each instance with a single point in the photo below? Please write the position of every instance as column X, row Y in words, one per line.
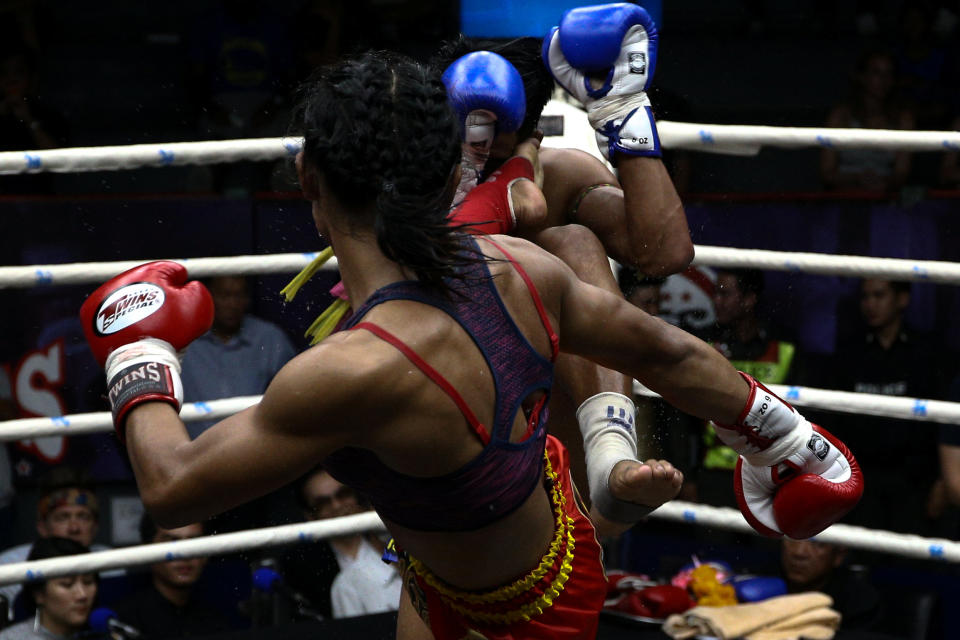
column 538, row 303
column 431, row 373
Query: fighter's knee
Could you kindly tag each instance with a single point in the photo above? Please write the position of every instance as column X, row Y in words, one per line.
column 572, row 243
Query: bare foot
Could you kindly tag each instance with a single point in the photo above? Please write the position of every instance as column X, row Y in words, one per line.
column 650, row 483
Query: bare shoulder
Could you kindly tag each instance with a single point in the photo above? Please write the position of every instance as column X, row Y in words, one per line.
column 547, row 271
column 330, row 385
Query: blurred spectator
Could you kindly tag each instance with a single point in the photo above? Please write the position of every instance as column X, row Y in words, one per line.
column 60, row 606
column 641, row 291
column 873, row 104
column 890, row 358
column 921, row 63
column 242, row 73
column 18, row 21
column 318, row 28
column 168, row 607
column 745, row 339
column 811, row 565
column 67, row 508
column 364, row 583
column 26, row 123
column 237, row 357
column 950, row 164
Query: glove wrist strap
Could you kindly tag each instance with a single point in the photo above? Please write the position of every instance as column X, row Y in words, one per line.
column 602, row 110
column 769, row 429
column 142, row 371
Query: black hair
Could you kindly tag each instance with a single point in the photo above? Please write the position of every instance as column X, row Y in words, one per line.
column 524, row 55
column 630, row 279
column 380, row 129
column 149, row 528
column 64, row 477
column 898, row 286
column 748, row 280
column 51, row 547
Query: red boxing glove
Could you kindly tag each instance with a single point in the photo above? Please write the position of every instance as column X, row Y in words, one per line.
column 793, row 478
column 658, row 601
column 136, row 323
column 488, row 208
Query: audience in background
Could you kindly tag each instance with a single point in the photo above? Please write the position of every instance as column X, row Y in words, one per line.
column 168, row 606
column 59, row 607
column 26, row 121
column 242, row 72
column 357, row 581
column 888, row 357
column 873, row 104
column 238, row 357
column 812, row 565
column 67, row 508
column 921, row 62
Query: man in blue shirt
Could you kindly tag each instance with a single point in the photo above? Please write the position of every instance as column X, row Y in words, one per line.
column 238, row 356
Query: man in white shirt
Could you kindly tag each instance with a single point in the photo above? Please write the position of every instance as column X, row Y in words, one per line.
column 365, row 583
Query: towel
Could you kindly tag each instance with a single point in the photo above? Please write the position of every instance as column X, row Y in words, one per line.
column 789, row 617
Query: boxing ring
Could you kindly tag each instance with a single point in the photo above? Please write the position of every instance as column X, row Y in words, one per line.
column 726, row 139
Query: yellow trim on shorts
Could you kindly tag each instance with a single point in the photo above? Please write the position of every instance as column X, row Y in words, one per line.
column 564, row 530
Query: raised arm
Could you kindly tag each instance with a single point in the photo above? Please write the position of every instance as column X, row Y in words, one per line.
column 605, row 56
column 136, row 323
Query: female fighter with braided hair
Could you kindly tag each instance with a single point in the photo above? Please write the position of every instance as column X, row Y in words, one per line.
column 431, row 402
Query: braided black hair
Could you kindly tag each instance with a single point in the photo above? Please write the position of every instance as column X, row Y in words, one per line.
column 524, row 55
column 381, row 130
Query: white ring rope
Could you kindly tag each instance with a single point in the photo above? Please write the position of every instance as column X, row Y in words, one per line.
column 908, row 545
column 905, row 544
column 715, row 138
column 918, row 409
column 899, row 407
column 102, row 421
column 41, row 275
column 134, row 156
column 206, row 546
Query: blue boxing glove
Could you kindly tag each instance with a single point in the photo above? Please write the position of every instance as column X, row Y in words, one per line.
column 487, row 93
column 757, row 588
column 605, row 56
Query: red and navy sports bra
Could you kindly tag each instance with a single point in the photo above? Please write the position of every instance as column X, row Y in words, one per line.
column 505, row 473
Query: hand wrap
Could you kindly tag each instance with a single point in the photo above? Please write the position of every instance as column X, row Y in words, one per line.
column 142, row 371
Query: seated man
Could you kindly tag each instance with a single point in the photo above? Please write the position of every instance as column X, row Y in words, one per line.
column 811, row 565
column 59, row 607
column 168, row 607
column 364, row 583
